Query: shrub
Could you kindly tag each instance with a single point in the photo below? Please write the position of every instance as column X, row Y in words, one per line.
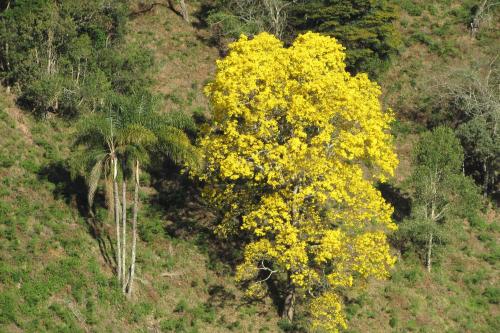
column 411, row 7
column 492, row 294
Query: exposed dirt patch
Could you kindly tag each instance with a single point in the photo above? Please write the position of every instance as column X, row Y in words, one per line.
column 185, row 59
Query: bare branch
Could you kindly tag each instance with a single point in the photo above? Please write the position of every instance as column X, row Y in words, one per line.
column 264, row 268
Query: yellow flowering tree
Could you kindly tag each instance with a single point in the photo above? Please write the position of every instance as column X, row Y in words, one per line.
column 292, row 156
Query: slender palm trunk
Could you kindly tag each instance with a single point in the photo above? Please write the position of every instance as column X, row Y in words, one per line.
column 117, row 218
column 134, row 228
column 429, row 253
column 124, row 229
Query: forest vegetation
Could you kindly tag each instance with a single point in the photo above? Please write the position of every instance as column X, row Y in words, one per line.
column 249, row 166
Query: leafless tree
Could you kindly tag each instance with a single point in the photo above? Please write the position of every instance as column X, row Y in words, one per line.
column 266, row 15
column 475, row 93
column 483, row 13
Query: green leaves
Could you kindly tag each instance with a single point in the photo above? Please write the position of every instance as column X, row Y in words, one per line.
column 439, row 150
column 67, row 56
column 441, row 194
column 364, row 27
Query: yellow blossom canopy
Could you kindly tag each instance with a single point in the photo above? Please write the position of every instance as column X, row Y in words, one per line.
column 292, row 156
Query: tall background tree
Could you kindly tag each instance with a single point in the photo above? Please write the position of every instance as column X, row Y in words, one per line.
column 365, row 27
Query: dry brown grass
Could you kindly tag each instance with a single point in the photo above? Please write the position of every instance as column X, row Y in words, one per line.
column 183, row 54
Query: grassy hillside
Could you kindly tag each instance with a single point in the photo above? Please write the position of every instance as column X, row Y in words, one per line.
column 56, row 264
column 56, row 273
column 436, row 41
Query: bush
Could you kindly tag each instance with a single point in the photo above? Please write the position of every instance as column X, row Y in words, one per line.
column 7, row 308
column 492, row 294
column 182, row 306
column 411, row 7
column 204, row 313
column 139, row 311
column 173, row 325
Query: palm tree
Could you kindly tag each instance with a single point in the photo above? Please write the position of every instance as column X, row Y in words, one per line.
column 146, row 132
column 136, row 139
column 97, row 134
column 129, row 136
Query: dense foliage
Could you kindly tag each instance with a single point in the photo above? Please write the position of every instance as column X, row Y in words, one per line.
column 66, row 57
column 294, row 135
column 364, row 27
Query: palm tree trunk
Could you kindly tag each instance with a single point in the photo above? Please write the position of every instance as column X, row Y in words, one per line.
column 117, row 218
column 124, row 228
column 134, row 227
column 429, row 254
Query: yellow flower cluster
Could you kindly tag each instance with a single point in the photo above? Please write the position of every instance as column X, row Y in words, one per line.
column 326, row 312
column 295, row 148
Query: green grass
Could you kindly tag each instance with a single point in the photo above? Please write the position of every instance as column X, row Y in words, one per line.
column 53, row 277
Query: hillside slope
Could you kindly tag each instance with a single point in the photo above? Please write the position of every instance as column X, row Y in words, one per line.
column 56, row 265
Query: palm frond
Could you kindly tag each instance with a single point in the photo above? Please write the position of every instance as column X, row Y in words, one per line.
column 178, row 119
column 176, row 145
column 137, row 134
column 95, row 130
column 93, row 181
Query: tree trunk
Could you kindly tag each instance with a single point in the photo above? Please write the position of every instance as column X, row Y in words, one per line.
column 124, row 229
column 7, row 55
column 50, row 37
column 429, row 254
column 184, row 11
column 486, row 179
column 117, row 218
column 289, row 303
column 78, row 73
column 134, row 228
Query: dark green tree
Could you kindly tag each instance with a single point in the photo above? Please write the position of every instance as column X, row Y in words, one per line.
column 364, row 27
column 66, row 56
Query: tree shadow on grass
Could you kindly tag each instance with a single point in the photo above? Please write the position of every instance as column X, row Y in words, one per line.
column 202, row 14
column 179, row 201
column 73, row 190
column 220, row 296
column 397, row 199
